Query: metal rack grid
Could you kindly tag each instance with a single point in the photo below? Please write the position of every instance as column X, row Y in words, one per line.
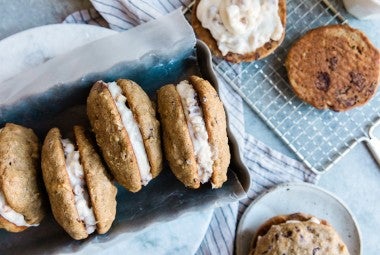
column 319, row 138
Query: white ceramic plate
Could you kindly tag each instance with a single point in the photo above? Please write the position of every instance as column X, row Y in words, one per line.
column 298, row 197
column 29, row 48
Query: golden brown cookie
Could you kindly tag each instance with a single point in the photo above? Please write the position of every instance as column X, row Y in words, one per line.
column 113, row 138
column 334, row 67
column 179, row 148
column 269, row 47
column 177, row 143
column 19, row 170
column 297, row 234
column 100, row 187
column 101, row 191
column 215, row 120
column 58, row 186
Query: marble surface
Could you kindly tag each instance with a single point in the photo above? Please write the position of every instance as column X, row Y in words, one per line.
column 355, row 179
column 19, row 15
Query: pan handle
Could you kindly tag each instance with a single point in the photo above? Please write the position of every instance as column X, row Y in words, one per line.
column 374, row 146
column 373, row 142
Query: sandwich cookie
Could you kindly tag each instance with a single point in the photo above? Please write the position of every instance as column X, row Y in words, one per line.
column 297, row 234
column 127, row 131
column 20, row 197
column 194, row 132
column 240, row 31
column 81, row 194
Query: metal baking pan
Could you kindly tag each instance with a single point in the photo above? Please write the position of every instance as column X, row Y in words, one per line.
column 165, row 198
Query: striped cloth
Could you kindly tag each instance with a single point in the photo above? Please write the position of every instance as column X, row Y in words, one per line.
column 267, row 167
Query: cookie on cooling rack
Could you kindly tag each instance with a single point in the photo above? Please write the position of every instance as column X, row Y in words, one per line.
column 297, row 233
column 240, row 31
column 334, row 67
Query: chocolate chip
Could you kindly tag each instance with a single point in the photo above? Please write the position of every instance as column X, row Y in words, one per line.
column 315, row 250
column 348, row 102
column 276, row 236
column 358, row 80
column 268, row 45
column 257, row 56
column 310, row 229
column 323, row 81
column 333, row 62
column 288, row 234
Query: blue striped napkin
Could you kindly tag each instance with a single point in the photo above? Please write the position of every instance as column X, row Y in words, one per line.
column 267, row 167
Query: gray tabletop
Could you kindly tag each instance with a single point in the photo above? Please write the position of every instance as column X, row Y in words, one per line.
column 355, row 178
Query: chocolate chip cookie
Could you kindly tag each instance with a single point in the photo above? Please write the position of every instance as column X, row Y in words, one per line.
column 334, row 67
column 297, row 234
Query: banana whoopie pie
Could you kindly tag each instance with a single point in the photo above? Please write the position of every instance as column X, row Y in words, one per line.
column 20, row 197
column 194, row 132
column 127, row 131
column 81, row 194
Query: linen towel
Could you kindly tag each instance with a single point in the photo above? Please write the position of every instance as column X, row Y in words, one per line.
column 267, row 167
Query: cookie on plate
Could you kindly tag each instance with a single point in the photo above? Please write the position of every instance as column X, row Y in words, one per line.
column 127, row 131
column 240, row 31
column 334, row 67
column 194, row 132
column 297, row 234
column 21, row 204
column 81, row 193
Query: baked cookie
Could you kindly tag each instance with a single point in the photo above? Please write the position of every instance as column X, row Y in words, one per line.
column 334, row 67
column 297, row 234
column 194, row 132
column 20, row 197
column 124, row 121
column 82, row 195
column 240, row 31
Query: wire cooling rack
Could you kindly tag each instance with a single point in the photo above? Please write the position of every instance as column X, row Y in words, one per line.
column 318, row 137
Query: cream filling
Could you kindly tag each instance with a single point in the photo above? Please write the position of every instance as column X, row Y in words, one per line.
column 312, row 219
column 241, row 26
column 11, row 215
column 197, row 130
column 133, row 131
column 78, row 184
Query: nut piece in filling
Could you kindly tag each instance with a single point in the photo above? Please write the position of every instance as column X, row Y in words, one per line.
column 240, row 30
column 81, row 194
column 127, row 131
column 21, row 204
column 194, row 132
